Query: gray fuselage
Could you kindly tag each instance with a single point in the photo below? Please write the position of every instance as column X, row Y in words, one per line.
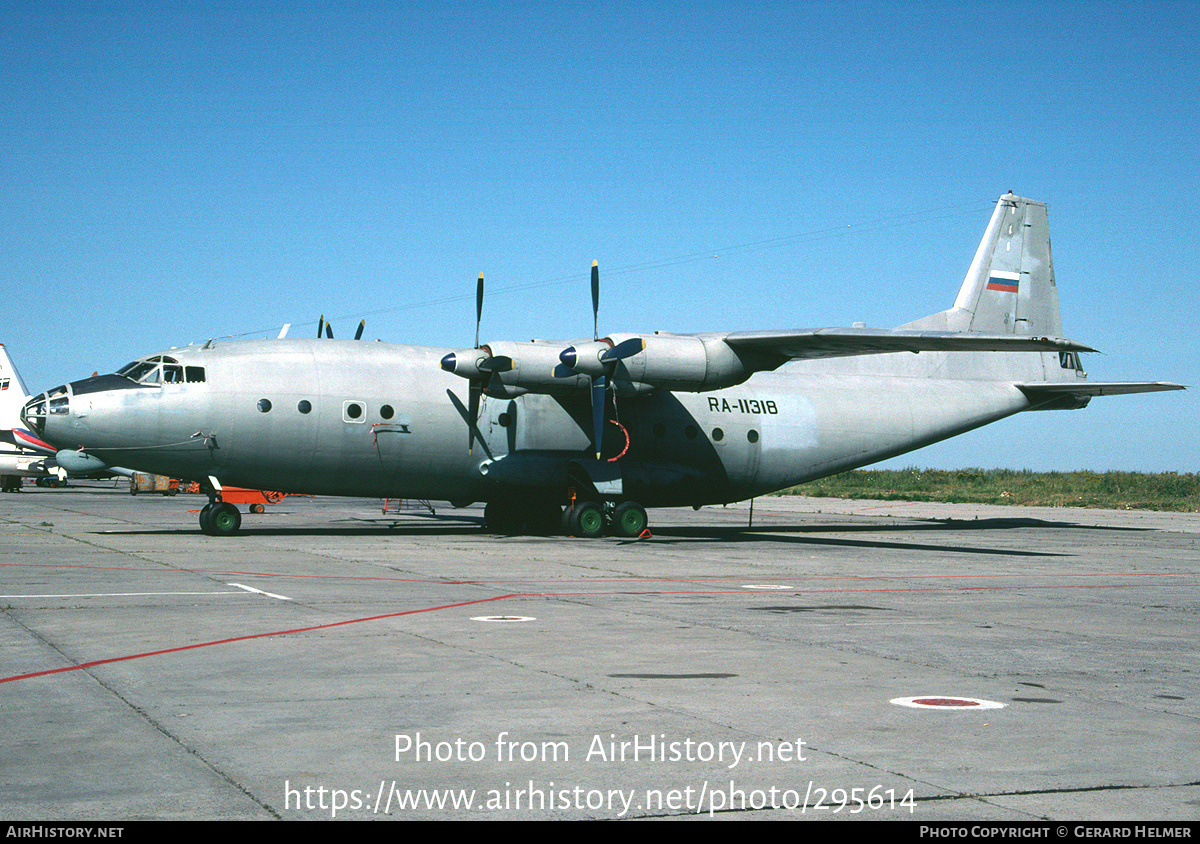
column 382, row 420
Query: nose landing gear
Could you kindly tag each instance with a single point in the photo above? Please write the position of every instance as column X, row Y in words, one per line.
column 220, row 519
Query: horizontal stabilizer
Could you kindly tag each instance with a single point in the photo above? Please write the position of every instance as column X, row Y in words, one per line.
column 844, row 342
column 1095, row 388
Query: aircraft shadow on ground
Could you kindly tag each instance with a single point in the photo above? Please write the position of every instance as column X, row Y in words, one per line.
column 788, row 534
column 430, row 525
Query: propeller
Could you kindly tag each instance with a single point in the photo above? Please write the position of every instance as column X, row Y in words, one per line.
column 485, row 367
column 599, row 360
column 326, row 329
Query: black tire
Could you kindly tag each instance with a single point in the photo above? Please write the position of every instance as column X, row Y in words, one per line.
column 629, row 519
column 587, row 519
column 501, row 517
column 206, row 517
column 220, row 519
column 540, row 518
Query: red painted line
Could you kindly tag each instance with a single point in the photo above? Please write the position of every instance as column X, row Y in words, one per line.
column 742, row 592
column 94, row 663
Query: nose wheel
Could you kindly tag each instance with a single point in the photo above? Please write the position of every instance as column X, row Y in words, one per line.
column 218, row 518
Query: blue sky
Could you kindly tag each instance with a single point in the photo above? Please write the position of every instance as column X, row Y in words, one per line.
column 172, row 172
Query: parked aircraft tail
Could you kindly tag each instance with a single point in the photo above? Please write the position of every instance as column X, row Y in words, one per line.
column 1009, row 288
column 12, row 392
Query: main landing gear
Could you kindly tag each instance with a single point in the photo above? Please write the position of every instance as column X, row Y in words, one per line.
column 583, row 518
column 590, row 518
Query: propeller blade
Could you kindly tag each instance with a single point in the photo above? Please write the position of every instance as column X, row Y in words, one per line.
column 625, row 349
column 321, row 327
column 595, row 300
column 478, row 307
column 329, row 330
column 598, row 385
column 361, row 325
column 472, row 417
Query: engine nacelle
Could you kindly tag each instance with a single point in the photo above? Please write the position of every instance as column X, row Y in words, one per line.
column 686, row 363
column 507, row 369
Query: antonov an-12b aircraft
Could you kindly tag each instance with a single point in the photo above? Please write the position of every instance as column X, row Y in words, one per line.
column 584, row 436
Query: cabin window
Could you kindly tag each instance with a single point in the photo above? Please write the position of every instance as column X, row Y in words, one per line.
column 305, row 406
column 752, row 435
column 386, row 411
column 172, row 374
column 718, row 435
column 352, row 411
column 264, row 405
column 194, row 374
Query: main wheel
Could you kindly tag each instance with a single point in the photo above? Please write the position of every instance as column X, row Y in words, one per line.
column 543, row 518
column 501, row 517
column 629, row 519
column 587, row 519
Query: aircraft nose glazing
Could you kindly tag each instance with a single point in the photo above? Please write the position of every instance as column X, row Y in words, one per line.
column 40, row 408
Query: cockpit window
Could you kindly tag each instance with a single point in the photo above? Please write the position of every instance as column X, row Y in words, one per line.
column 59, row 401
column 161, row 369
column 144, row 372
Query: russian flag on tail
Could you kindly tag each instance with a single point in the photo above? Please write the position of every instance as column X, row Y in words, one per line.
column 1004, row 282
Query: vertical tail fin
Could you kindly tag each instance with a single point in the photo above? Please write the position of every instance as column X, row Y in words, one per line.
column 1010, row 286
column 12, row 392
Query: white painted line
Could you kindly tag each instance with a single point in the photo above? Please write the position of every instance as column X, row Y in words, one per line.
column 261, row 592
column 116, row 594
column 767, row 586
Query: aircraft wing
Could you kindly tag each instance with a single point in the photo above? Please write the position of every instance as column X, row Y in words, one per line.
column 808, row 344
